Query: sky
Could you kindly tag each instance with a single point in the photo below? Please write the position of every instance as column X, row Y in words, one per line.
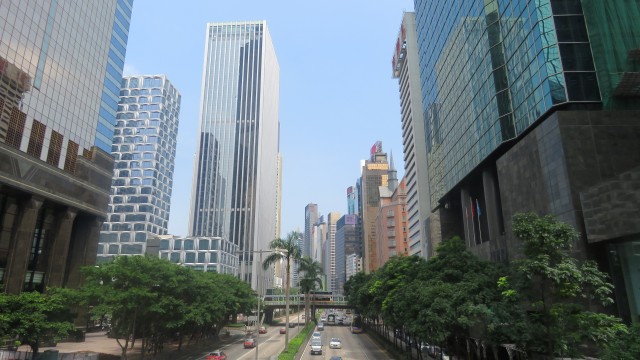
column 337, row 94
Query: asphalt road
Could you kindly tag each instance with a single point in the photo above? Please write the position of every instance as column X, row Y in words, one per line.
column 269, row 345
column 354, row 346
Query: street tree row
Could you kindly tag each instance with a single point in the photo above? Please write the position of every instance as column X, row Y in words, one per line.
column 142, row 297
column 545, row 303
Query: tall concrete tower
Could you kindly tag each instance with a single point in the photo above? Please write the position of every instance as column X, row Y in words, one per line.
column 235, row 185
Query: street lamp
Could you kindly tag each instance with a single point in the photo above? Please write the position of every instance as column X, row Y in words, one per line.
column 258, row 283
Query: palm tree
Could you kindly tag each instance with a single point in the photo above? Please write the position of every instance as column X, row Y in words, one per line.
column 284, row 250
column 310, row 281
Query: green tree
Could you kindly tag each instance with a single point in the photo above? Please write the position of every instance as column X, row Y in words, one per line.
column 291, row 253
column 32, row 317
column 624, row 347
column 356, row 290
column 448, row 298
column 558, row 291
column 310, row 280
column 143, row 296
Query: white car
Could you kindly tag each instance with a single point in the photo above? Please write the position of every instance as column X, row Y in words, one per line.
column 316, row 336
column 316, row 347
column 335, row 343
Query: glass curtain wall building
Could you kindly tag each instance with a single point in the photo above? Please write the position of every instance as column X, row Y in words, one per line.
column 60, row 66
column 144, row 149
column 533, row 106
column 235, row 177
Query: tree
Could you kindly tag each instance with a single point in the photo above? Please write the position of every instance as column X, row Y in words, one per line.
column 309, row 281
column 445, row 299
column 32, row 317
column 557, row 291
column 291, row 253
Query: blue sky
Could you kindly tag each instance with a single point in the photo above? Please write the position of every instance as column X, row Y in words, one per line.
column 337, row 96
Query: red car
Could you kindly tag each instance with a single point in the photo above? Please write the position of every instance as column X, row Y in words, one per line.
column 283, row 330
column 249, row 343
column 217, row 355
column 262, row 330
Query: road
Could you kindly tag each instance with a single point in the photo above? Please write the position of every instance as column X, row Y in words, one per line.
column 269, row 344
column 354, row 346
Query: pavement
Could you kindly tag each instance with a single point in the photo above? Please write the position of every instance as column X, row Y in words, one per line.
column 98, row 342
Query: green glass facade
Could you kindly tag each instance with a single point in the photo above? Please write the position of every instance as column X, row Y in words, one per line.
column 614, row 34
column 490, row 69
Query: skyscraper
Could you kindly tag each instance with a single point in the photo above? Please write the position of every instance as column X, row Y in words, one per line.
column 330, row 250
column 407, row 70
column 310, row 220
column 534, row 107
column 347, row 243
column 60, row 69
column 144, row 149
column 375, row 173
column 235, row 182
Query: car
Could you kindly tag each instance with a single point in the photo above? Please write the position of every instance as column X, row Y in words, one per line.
column 217, row 355
column 316, row 336
column 335, row 343
column 249, row 343
column 292, row 324
column 316, row 347
column 283, row 330
column 336, row 358
column 320, row 326
column 262, row 330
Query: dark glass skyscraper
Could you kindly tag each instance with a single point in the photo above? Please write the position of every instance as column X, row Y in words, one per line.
column 533, row 106
column 60, row 71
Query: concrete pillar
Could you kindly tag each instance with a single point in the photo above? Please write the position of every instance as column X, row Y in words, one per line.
column 492, row 205
column 83, row 248
column 57, row 262
column 20, row 248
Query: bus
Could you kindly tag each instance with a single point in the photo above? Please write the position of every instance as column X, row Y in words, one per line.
column 356, row 324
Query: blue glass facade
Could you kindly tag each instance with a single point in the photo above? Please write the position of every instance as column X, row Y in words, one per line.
column 113, row 74
column 489, row 70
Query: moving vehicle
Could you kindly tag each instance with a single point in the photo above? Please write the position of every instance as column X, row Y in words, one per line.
column 336, row 358
column 335, row 343
column 217, row 355
column 437, row 352
column 249, row 343
column 283, row 330
column 316, row 336
column 356, row 324
column 320, row 326
column 292, row 324
column 262, row 330
column 316, row 347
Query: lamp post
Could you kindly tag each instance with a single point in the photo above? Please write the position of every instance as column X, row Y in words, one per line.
column 258, row 283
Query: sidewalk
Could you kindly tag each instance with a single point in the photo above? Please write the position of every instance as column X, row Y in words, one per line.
column 98, row 342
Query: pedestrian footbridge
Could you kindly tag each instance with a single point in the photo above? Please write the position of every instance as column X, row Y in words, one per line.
column 322, row 302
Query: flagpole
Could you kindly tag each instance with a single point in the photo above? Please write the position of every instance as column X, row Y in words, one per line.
column 466, row 219
column 473, row 221
column 479, row 225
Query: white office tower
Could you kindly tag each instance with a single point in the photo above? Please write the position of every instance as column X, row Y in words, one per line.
column 234, row 194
